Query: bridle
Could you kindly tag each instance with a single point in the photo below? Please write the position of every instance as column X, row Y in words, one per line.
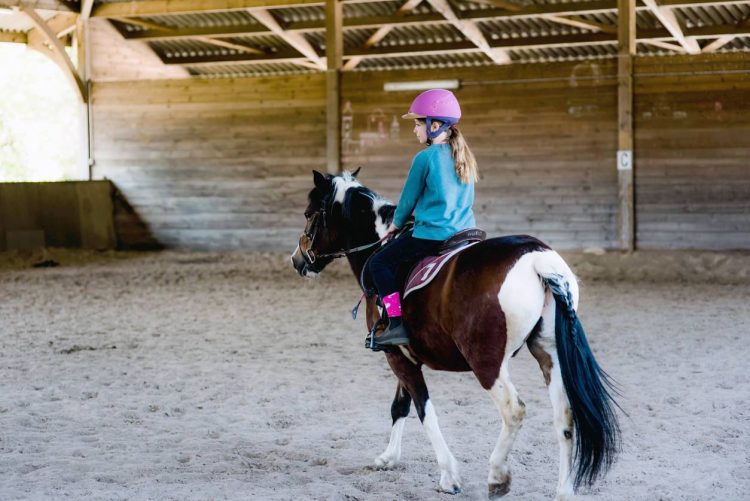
column 311, row 231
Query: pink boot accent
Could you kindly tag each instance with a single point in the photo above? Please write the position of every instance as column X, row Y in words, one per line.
column 392, row 304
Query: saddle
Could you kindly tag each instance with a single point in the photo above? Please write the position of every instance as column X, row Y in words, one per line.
column 425, row 270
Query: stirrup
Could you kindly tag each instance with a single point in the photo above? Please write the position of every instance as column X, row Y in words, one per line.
column 370, row 342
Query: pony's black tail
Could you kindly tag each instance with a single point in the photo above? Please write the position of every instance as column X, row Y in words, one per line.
column 589, row 389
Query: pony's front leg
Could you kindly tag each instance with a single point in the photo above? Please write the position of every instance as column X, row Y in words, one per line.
column 410, row 376
column 399, row 411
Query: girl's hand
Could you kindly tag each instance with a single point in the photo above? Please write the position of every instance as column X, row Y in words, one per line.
column 390, row 232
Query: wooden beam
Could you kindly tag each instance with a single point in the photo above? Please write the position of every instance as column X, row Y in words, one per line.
column 700, row 3
column 56, row 52
column 86, row 6
column 382, row 32
column 334, row 55
column 400, row 19
column 13, row 37
column 669, row 21
column 665, row 45
column 625, row 157
column 54, row 5
column 717, row 44
column 296, row 40
column 657, row 35
column 579, row 22
column 164, row 7
column 471, row 31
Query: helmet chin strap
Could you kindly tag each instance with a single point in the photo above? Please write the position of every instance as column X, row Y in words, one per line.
column 431, row 135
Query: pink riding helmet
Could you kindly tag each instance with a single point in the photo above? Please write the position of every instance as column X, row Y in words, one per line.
column 437, row 104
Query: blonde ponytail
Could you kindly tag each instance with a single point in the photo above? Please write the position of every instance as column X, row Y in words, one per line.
column 463, row 158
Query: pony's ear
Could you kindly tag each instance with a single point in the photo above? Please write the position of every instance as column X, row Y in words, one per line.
column 356, row 172
column 320, row 181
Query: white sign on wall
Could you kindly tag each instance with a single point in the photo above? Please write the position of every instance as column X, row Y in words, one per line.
column 624, row 159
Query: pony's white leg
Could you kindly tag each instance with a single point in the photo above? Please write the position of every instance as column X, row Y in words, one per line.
column 563, row 430
column 392, row 454
column 399, row 411
column 410, row 377
column 450, row 480
column 543, row 347
column 512, row 410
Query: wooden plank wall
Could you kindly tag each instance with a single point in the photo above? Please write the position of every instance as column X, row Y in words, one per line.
column 211, row 164
column 545, row 138
column 113, row 58
column 692, row 143
column 63, row 214
column 223, row 164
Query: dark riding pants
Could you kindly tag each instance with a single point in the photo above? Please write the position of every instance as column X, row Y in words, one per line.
column 404, row 250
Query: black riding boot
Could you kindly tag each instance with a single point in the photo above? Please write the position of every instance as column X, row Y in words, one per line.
column 395, row 335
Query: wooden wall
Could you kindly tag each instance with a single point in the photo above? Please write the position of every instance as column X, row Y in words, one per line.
column 211, row 164
column 64, row 214
column 223, row 164
column 692, row 144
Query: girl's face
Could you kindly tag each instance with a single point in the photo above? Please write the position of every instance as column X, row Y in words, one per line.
column 420, row 130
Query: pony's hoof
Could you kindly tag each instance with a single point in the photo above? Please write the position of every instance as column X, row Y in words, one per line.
column 453, row 489
column 385, row 463
column 499, row 490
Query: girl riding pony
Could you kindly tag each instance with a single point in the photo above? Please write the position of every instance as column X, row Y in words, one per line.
column 439, row 191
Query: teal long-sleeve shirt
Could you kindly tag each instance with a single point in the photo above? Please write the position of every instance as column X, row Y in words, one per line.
column 440, row 202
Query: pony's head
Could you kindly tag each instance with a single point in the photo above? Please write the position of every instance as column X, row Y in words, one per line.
column 331, row 215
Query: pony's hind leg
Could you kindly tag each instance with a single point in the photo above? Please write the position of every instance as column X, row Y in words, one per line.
column 512, row 410
column 399, row 411
column 543, row 348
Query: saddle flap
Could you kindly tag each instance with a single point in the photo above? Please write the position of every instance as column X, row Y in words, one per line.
column 427, row 269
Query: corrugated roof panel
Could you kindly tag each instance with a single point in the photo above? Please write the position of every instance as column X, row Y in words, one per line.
column 712, row 15
column 430, row 61
column 549, row 54
column 352, row 38
column 206, row 19
column 300, row 14
column 248, row 70
column 525, row 27
column 421, row 34
column 187, row 47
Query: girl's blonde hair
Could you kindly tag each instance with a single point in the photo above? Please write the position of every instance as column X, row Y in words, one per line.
column 463, row 158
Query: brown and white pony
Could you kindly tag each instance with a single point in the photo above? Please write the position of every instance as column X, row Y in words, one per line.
column 475, row 315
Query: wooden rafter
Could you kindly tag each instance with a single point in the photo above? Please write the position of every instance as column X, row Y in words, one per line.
column 13, row 37
column 382, row 32
column 296, row 40
column 579, row 22
column 717, row 44
column 57, row 51
column 86, row 6
column 668, row 19
column 402, row 19
column 54, row 5
column 646, row 36
column 665, row 45
column 471, row 31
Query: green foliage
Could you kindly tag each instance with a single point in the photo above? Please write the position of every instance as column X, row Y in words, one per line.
column 40, row 116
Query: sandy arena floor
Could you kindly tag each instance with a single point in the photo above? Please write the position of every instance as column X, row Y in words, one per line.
column 226, row 376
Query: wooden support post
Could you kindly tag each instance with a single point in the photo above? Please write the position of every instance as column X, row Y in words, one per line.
column 334, row 54
column 84, row 70
column 625, row 157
